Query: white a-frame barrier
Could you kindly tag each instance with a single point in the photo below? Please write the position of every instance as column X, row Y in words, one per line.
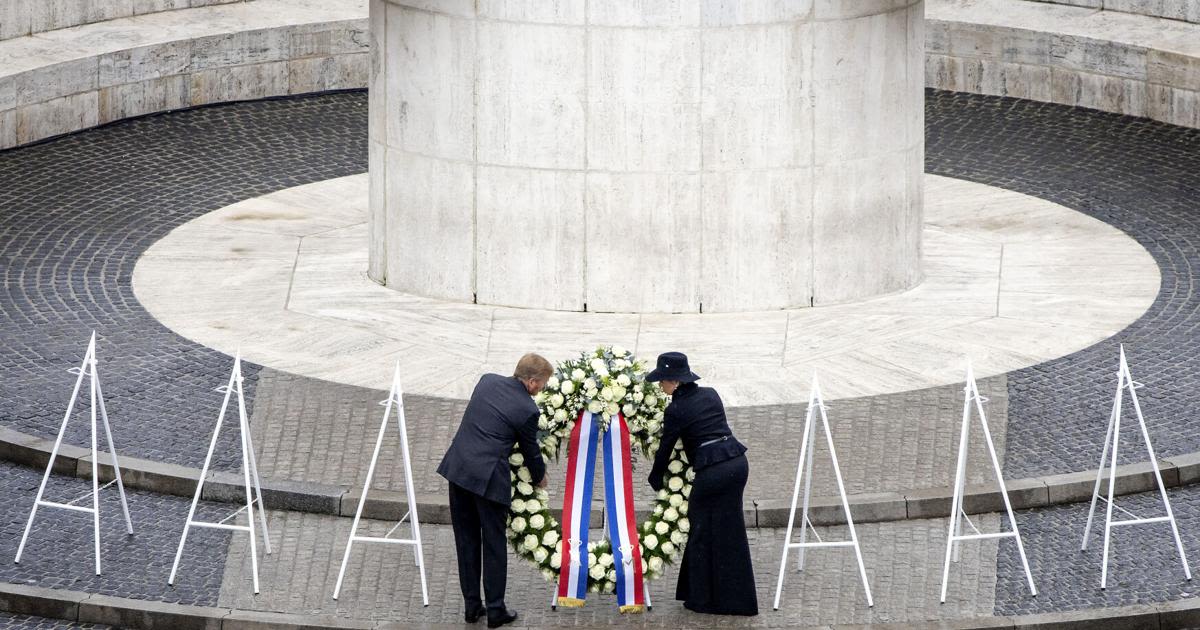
column 86, row 369
column 1125, row 381
column 249, row 476
column 395, row 399
column 804, row 472
column 957, row 514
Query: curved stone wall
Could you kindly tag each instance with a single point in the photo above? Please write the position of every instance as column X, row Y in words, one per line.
column 71, row 79
column 1115, row 62
column 611, row 156
column 27, row 17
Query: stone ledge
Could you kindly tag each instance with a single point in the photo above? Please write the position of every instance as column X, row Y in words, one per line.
column 337, row 500
column 137, row 614
column 1185, row 10
column 30, row 17
column 71, row 79
column 1123, row 63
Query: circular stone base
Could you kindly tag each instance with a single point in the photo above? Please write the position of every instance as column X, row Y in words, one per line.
column 1011, row 281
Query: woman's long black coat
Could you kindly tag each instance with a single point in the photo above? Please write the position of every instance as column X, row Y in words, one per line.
column 716, row 575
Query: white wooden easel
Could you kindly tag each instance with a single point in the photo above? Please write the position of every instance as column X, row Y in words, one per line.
column 804, row 471
column 957, row 514
column 86, row 368
column 249, row 476
column 1125, row 381
column 396, row 399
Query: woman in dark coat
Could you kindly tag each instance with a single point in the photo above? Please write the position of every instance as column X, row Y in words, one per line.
column 716, row 575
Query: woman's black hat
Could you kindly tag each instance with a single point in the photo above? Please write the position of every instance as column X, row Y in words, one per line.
column 672, row 366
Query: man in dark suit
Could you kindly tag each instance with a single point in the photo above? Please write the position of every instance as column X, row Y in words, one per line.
column 501, row 413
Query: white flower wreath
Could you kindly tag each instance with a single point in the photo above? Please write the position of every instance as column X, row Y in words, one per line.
column 607, row 382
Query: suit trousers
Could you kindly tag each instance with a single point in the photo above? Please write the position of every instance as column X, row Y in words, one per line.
column 482, row 548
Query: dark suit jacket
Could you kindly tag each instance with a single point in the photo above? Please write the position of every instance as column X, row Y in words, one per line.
column 501, row 413
column 696, row 416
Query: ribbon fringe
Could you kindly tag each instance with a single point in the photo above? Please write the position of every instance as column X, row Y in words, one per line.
column 571, row 602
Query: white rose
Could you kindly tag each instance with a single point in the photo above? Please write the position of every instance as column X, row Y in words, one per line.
column 530, row 542
column 609, row 587
column 613, row 409
column 518, row 524
column 675, row 467
column 663, row 494
column 651, row 542
column 658, row 417
column 671, row 514
column 606, row 560
column 662, row 528
column 557, row 400
column 606, row 393
column 577, row 374
column 684, row 508
column 595, row 406
column 674, row 483
column 589, row 383
column 543, row 422
column 592, row 546
column 516, row 459
column 560, row 416
column 684, row 525
column 552, row 383
column 567, row 387
column 668, row 548
column 651, row 401
column 644, row 566
column 596, row 364
column 624, row 381
column 675, row 500
column 619, row 351
column 548, row 574
column 677, row 537
column 524, row 475
column 537, row 521
column 602, row 372
column 658, row 510
column 550, row 538
column 597, row 572
column 556, row 560
column 628, row 410
column 687, row 492
column 638, row 397
column 612, row 576
column 518, row 506
column 532, row 506
column 619, row 393
column 526, row 489
column 656, row 564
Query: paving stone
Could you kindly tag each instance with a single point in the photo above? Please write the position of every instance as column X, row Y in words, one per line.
column 9, row 621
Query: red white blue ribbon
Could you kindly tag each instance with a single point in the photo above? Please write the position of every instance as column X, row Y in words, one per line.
column 577, row 500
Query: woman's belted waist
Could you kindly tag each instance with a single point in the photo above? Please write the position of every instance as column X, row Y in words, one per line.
column 716, row 451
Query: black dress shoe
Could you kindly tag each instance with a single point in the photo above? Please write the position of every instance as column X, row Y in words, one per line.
column 495, row 621
column 475, row 614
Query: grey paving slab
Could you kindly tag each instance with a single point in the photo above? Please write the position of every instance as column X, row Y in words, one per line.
column 316, row 431
column 903, row 562
column 59, row 552
column 28, row 622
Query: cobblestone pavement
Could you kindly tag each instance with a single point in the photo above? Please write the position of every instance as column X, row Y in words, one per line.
column 59, row 552
column 1143, row 564
column 312, row 430
column 1135, row 174
column 903, row 559
column 28, row 622
column 77, row 213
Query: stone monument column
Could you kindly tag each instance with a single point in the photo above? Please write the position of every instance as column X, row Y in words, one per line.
column 646, row 155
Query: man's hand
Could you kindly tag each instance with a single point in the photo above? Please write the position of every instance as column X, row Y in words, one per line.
column 544, row 482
